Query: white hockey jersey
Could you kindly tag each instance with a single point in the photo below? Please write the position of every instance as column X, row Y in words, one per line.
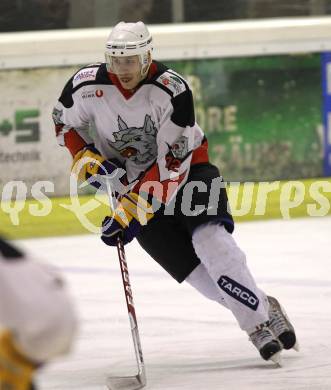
column 151, row 131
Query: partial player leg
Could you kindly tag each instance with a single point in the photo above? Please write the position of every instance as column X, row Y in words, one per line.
column 200, row 279
column 261, row 337
column 226, row 265
column 168, row 239
column 170, row 245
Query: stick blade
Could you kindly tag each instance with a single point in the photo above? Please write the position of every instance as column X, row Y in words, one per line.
column 126, row 382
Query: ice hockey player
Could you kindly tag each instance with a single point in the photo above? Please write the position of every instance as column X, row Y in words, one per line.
column 37, row 318
column 135, row 113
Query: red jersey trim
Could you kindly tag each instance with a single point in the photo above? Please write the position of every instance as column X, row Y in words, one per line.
column 200, row 154
column 73, row 141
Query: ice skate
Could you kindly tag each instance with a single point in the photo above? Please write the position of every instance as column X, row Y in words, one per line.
column 281, row 326
column 266, row 343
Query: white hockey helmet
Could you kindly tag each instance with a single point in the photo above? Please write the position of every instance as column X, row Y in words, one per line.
column 129, row 39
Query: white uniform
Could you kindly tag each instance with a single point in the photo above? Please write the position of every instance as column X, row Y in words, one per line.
column 153, row 132
column 146, row 131
column 35, row 305
column 151, row 129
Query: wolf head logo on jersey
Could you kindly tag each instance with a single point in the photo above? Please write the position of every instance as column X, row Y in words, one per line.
column 137, row 144
column 178, row 152
column 57, row 118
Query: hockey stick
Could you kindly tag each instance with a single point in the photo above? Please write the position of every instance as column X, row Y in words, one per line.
column 137, row 381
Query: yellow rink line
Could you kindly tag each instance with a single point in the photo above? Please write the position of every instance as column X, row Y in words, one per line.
column 248, row 202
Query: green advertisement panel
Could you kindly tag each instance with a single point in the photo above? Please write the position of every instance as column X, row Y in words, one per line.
column 262, row 115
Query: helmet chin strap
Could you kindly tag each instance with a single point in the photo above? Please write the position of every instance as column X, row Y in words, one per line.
column 144, row 72
column 145, row 68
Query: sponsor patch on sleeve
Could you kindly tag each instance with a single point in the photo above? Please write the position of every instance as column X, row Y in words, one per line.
column 86, row 74
column 172, row 82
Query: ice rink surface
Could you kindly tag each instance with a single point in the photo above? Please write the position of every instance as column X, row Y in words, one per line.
column 188, row 342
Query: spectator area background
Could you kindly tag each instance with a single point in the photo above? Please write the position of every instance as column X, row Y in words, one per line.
column 28, row 15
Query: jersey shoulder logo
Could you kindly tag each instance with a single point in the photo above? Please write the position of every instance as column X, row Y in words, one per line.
column 85, row 74
column 137, row 144
column 173, row 82
column 178, row 152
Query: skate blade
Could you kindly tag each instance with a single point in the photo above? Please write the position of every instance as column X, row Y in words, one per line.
column 277, row 359
column 135, row 382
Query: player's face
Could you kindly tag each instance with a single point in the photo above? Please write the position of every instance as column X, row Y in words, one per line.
column 128, row 70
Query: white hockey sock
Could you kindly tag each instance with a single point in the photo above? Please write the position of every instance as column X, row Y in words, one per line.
column 226, row 265
column 200, row 279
